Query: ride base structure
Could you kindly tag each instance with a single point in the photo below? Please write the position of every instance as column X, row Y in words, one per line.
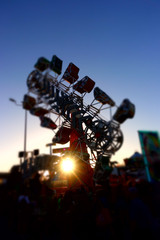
column 92, row 139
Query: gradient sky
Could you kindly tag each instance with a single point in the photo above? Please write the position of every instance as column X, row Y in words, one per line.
column 116, row 43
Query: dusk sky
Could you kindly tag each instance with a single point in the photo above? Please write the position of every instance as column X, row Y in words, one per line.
column 116, row 43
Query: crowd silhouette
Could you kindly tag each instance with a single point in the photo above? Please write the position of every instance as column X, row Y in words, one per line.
column 30, row 210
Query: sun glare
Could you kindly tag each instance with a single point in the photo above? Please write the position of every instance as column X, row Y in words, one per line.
column 67, row 165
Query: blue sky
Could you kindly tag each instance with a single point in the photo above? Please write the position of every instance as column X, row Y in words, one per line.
column 116, row 43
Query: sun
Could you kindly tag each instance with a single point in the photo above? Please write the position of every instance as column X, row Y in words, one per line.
column 67, row 165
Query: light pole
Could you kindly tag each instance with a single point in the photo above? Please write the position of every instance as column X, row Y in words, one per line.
column 50, row 145
column 25, row 126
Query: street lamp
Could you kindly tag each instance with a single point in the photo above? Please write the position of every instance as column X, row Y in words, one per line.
column 25, row 126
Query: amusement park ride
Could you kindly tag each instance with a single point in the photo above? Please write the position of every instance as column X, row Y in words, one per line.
column 92, row 140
